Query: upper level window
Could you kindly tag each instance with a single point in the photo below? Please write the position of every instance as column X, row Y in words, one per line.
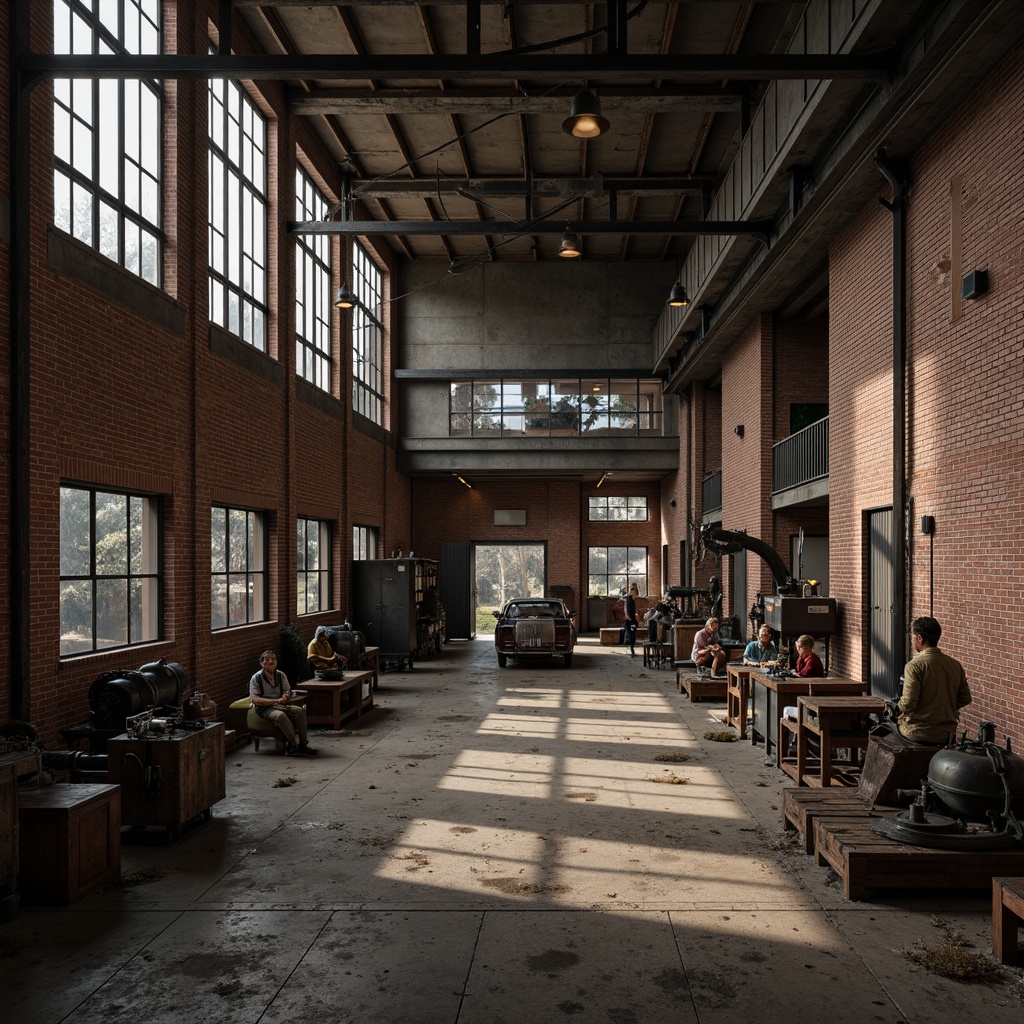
column 238, row 213
column 312, row 288
column 367, row 337
column 238, row 567
column 364, row 542
column 109, row 569
column 555, row 408
column 612, row 570
column 313, row 562
column 616, row 509
column 107, row 152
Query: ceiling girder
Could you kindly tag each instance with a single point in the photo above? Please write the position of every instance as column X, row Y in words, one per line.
column 560, row 188
column 290, row 66
column 488, row 102
column 759, row 228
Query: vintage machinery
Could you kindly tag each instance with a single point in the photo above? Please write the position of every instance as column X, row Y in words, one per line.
column 973, row 782
column 115, row 696
column 795, row 607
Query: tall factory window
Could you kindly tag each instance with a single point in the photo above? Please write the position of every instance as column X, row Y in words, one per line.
column 238, row 567
column 237, row 184
column 107, row 148
column 364, row 542
column 367, row 337
column 313, row 560
column 312, row 288
column 109, row 569
column 612, row 508
column 612, row 570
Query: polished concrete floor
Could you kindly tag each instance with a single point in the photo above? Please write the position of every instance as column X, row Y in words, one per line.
column 491, row 846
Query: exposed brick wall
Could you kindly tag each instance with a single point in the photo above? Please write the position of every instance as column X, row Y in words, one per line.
column 556, row 515
column 965, row 381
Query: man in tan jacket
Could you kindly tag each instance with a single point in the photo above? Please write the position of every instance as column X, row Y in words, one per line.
column 934, row 688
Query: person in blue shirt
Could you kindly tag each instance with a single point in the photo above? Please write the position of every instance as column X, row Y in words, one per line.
column 762, row 649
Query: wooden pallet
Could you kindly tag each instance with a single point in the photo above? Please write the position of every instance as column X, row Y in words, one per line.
column 801, row 806
column 867, row 861
column 701, row 688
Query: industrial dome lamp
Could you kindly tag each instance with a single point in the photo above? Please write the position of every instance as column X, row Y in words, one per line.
column 570, row 247
column 585, row 120
column 678, row 296
column 344, row 299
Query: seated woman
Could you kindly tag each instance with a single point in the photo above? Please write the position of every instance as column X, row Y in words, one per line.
column 762, row 649
column 807, row 662
column 325, row 662
column 706, row 649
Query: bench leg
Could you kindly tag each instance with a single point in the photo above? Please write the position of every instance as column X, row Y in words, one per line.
column 1004, row 927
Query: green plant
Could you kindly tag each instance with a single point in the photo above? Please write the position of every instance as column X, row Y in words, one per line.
column 293, row 654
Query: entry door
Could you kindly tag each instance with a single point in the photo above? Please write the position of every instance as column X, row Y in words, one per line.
column 457, row 596
column 884, row 662
column 505, row 571
column 814, row 562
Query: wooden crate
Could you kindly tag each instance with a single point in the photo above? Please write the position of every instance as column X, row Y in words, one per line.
column 800, row 806
column 69, row 841
column 699, row 688
column 866, row 861
column 168, row 780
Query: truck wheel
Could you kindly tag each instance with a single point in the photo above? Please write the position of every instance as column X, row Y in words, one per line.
column 566, row 660
column 502, row 660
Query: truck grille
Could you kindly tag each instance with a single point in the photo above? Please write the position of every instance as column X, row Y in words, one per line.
column 535, row 633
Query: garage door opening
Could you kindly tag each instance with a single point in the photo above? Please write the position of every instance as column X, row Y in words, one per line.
column 505, row 571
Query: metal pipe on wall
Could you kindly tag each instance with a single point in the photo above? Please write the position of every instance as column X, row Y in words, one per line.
column 898, row 208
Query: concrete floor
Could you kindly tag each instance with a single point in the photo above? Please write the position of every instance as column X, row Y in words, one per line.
column 493, row 846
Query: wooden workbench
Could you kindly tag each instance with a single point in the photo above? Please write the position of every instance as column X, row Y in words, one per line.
column 334, row 701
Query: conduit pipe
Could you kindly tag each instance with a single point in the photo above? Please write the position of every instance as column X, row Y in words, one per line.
column 898, row 208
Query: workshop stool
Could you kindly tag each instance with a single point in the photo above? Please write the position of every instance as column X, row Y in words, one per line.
column 258, row 727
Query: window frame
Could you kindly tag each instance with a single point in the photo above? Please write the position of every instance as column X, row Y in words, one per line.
column 555, row 407
column 367, row 336
column 151, row 554
column 257, row 548
column 314, row 357
column 623, row 576
column 630, row 504
column 232, row 245
column 324, row 571
column 365, row 541
column 93, row 115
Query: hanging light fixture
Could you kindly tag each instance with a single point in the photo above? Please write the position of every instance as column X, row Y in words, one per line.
column 344, row 299
column 678, row 296
column 585, row 120
column 570, row 247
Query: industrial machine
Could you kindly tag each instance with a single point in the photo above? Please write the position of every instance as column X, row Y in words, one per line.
column 973, row 783
column 795, row 607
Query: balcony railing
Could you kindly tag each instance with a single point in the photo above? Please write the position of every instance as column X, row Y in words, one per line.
column 800, row 458
column 711, row 492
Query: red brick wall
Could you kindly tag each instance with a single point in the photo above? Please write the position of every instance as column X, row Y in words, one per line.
column 556, row 515
column 965, row 381
column 117, row 400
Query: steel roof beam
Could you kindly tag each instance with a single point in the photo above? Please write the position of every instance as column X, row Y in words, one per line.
column 493, row 188
column 541, row 227
column 633, row 68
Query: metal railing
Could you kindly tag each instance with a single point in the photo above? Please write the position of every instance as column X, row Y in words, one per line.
column 801, row 457
column 711, row 492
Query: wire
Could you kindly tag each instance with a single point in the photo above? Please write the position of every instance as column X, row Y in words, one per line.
column 578, row 38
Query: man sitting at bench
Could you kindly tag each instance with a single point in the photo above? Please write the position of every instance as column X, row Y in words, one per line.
column 270, row 693
column 323, row 660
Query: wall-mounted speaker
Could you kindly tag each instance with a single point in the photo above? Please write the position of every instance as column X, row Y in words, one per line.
column 974, row 284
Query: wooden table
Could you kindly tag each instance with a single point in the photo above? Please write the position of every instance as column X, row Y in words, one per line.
column 1007, row 916
column 737, row 693
column 325, row 705
column 834, row 722
column 772, row 693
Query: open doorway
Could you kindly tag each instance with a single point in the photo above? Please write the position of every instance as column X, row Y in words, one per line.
column 504, row 571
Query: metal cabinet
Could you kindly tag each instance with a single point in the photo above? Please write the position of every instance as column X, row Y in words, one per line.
column 389, row 598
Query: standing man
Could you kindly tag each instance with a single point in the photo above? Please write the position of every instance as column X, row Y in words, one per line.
column 934, row 688
column 629, row 611
column 270, row 692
